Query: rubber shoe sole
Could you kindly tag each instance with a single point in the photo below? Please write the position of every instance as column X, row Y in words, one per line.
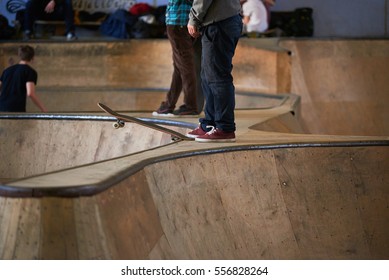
column 216, row 135
column 166, row 115
column 214, row 140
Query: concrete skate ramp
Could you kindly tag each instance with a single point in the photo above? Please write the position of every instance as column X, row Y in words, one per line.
column 36, row 144
column 133, row 99
column 343, row 84
column 267, row 196
column 272, row 201
column 39, row 143
column 270, row 195
column 274, row 204
column 135, row 74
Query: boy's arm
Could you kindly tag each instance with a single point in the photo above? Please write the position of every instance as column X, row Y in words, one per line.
column 198, row 11
column 196, row 16
column 31, row 93
column 246, row 19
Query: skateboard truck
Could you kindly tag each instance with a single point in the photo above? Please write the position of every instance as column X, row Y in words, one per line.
column 119, row 124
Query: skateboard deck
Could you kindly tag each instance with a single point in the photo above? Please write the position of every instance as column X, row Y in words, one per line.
column 122, row 119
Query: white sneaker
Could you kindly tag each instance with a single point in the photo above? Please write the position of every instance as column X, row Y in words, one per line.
column 71, row 36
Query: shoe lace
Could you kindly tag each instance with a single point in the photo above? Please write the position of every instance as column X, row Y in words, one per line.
column 213, row 129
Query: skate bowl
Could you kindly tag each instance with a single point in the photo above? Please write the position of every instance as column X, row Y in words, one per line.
column 35, row 144
column 270, row 195
column 40, row 143
column 249, row 201
column 129, row 78
column 277, row 193
column 342, row 84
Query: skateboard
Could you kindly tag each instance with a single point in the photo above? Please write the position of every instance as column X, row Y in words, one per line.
column 122, row 119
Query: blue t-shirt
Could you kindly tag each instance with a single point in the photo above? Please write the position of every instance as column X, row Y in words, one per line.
column 13, row 92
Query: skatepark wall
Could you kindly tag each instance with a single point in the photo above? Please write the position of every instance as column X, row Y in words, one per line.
column 343, row 85
column 60, row 144
column 275, row 195
column 145, row 64
column 338, row 79
column 281, row 205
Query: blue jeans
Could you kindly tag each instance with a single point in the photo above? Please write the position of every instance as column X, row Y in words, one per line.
column 35, row 9
column 219, row 42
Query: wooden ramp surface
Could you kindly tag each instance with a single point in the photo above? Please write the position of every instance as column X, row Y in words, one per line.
column 343, row 85
column 278, row 203
column 270, row 195
column 277, row 193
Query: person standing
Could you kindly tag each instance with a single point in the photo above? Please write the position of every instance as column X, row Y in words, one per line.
column 17, row 82
column 219, row 24
column 254, row 16
column 184, row 48
column 49, row 10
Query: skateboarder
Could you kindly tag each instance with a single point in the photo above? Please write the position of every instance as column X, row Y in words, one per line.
column 219, row 24
column 17, row 82
column 184, row 76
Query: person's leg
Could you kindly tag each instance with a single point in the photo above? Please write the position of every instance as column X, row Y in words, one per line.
column 197, row 57
column 69, row 17
column 166, row 108
column 182, row 43
column 32, row 12
column 206, row 122
column 176, row 81
column 206, row 56
column 219, row 43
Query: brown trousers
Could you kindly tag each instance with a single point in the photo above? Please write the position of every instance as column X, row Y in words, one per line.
column 184, row 73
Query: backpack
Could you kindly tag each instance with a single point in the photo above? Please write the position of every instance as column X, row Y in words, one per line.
column 297, row 23
column 118, row 24
column 301, row 23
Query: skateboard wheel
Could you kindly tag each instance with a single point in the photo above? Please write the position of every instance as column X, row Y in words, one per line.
column 118, row 124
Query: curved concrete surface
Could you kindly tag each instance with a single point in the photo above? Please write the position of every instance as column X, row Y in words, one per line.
column 69, row 140
column 263, row 197
column 280, row 194
column 132, row 99
column 40, row 145
column 110, row 70
column 343, row 85
column 276, row 203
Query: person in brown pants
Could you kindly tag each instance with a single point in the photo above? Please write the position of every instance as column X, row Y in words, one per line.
column 186, row 50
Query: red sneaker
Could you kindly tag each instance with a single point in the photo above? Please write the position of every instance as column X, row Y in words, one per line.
column 217, row 135
column 196, row 132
